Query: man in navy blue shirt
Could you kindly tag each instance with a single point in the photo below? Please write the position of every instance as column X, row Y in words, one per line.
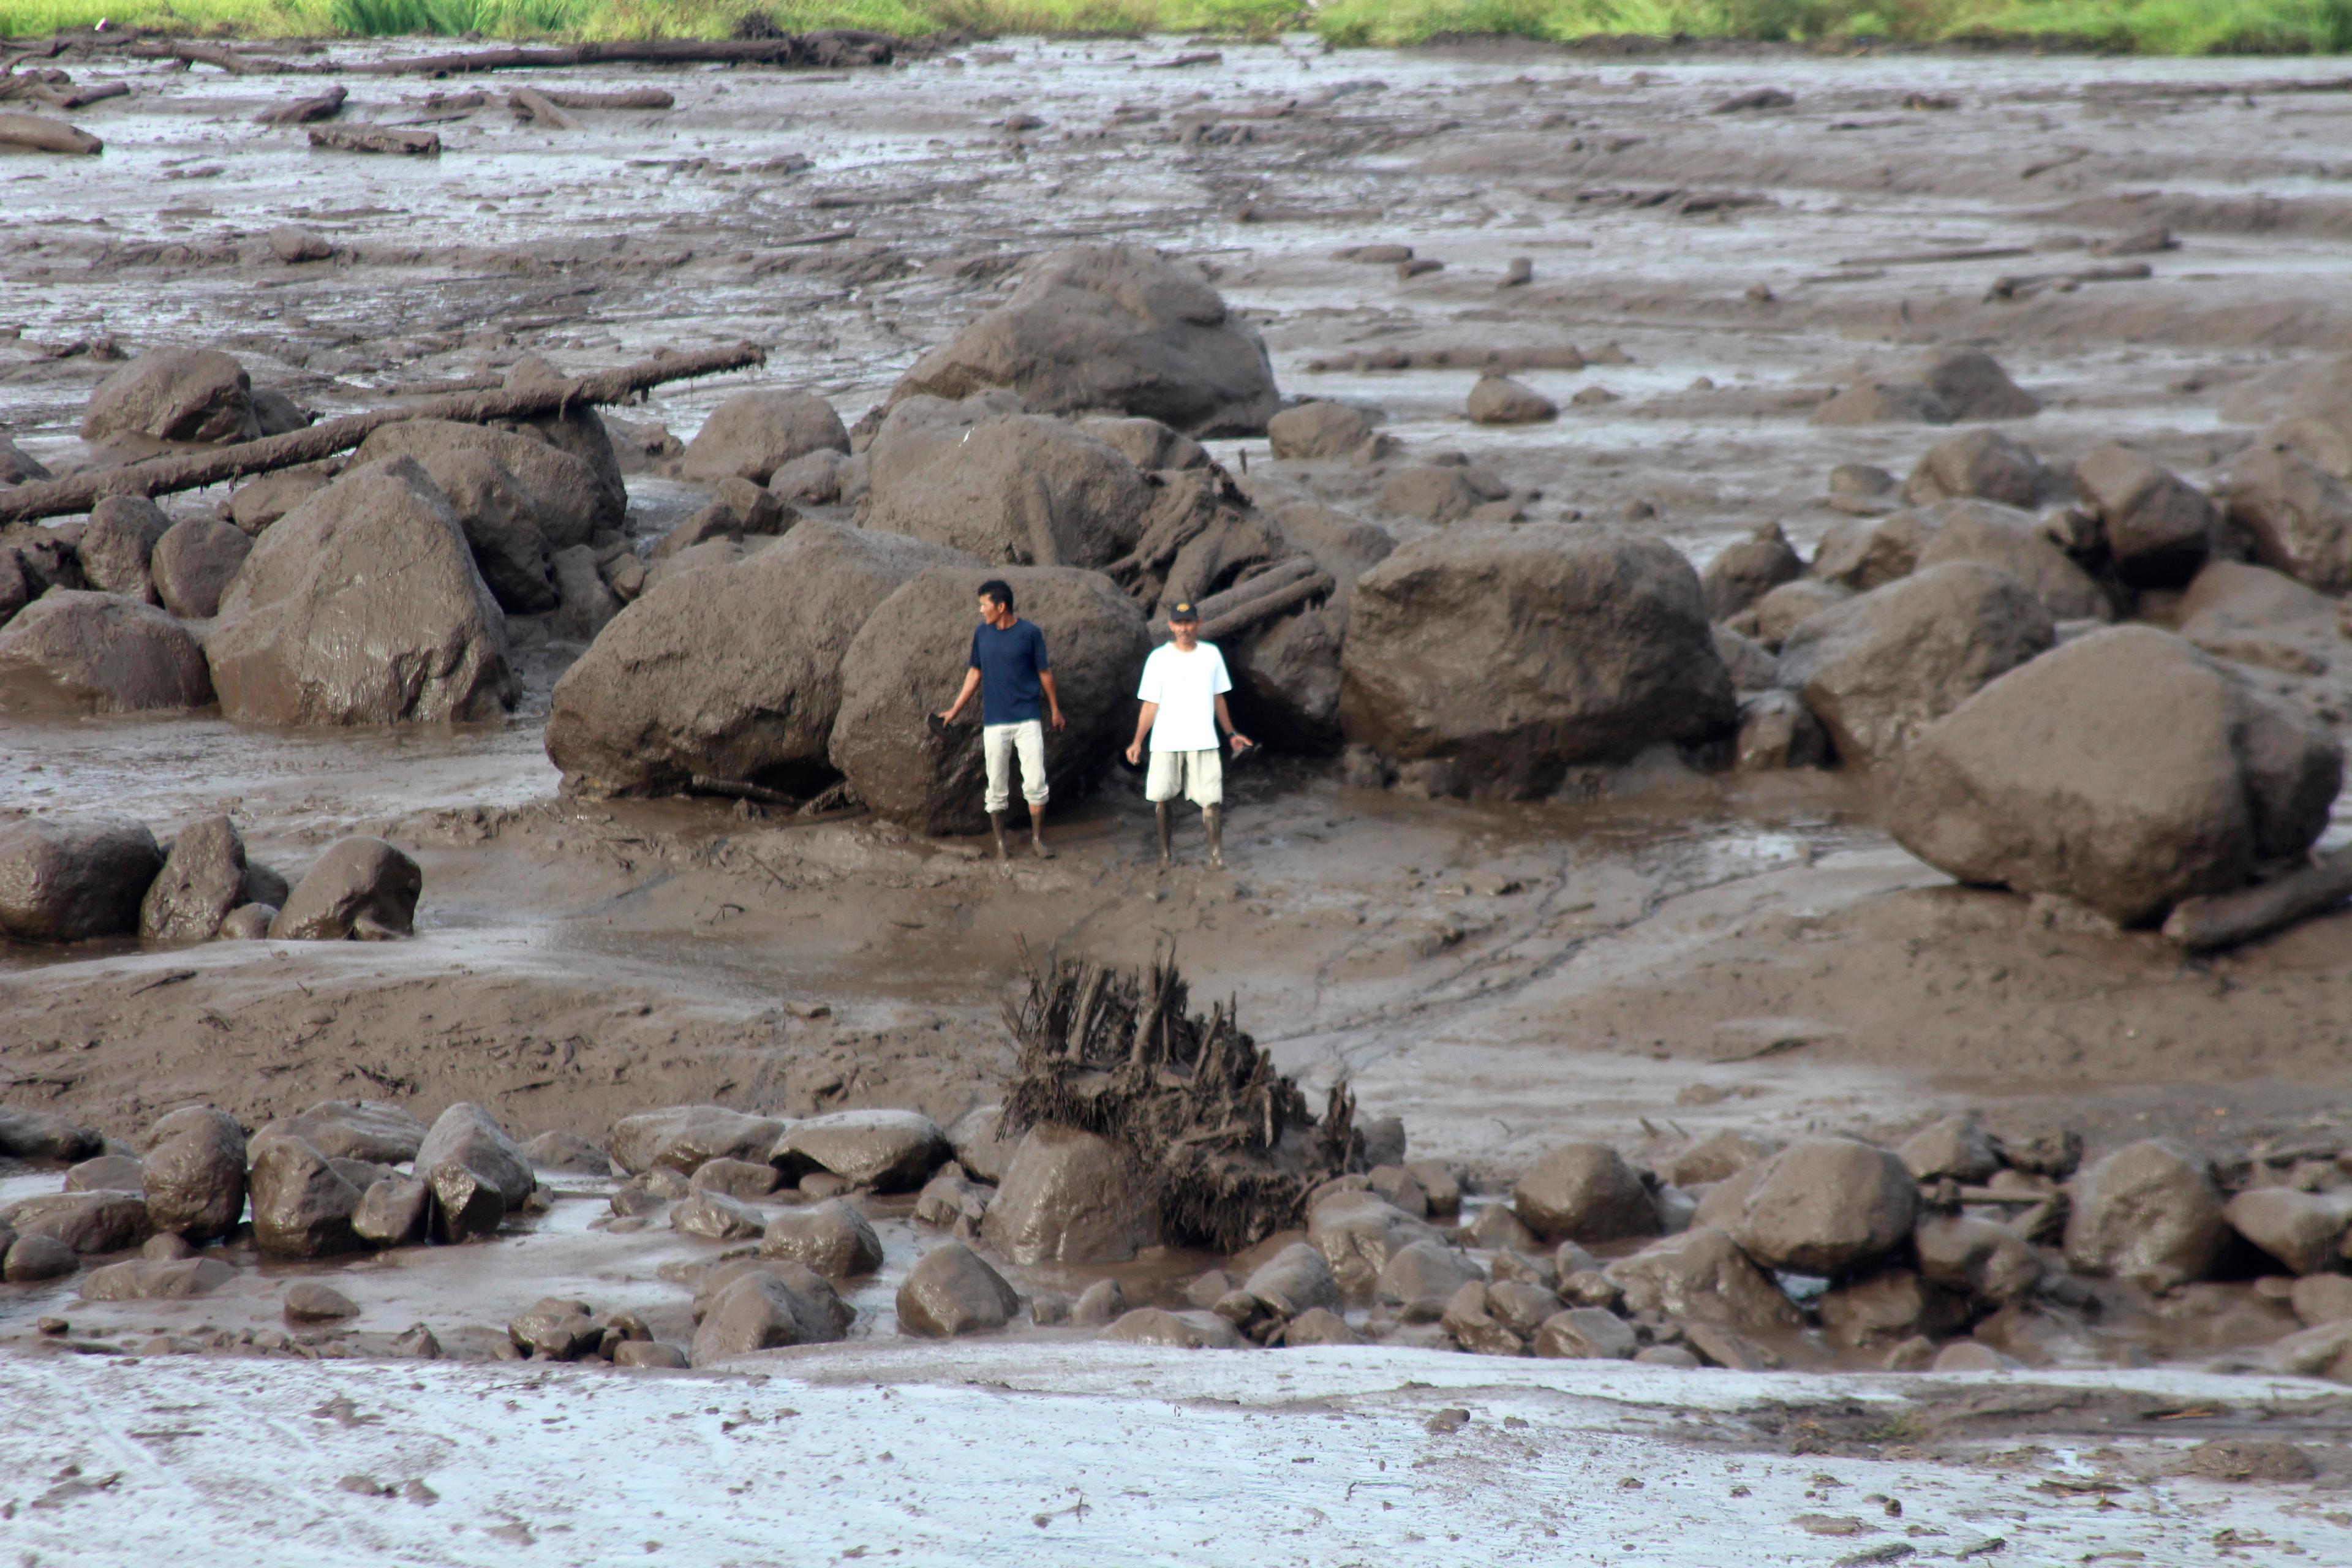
column 1011, row 672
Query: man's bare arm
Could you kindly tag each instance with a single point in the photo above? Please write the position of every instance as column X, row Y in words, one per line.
column 970, row 684
column 1142, row 729
column 1224, row 716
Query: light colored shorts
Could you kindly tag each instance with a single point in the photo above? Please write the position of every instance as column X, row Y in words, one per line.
column 1198, row 776
column 999, row 743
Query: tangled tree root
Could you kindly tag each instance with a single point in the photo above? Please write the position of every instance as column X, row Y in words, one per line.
column 1224, row 1145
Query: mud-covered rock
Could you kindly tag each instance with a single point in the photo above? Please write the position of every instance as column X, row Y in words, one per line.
column 1294, row 1281
column 585, row 604
column 1469, row 1319
column 1976, row 1258
column 1441, row 494
column 202, row 879
column 18, row 467
column 174, row 394
column 753, row 434
column 2302, row 1230
column 1318, row 430
column 951, row 1291
column 152, row 1279
column 1584, row 1192
column 2014, row 542
column 79, row 652
column 831, row 1238
column 1317, row 1326
column 980, row 1144
column 1421, row 1276
column 1889, row 1307
column 1112, row 327
column 953, row 1201
column 260, row 501
column 1702, row 1275
column 1972, row 384
column 1176, row 1331
column 1983, row 464
column 570, row 501
column 1358, row 1232
column 905, row 663
column 1954, row 1147
column 1499, row 400
column 118, row 542
column 1866, row 554
column 1746, row 570
column 466, row 1203
column 107, row 1220
column 467, row 1135
column 1883, row 403
column 72, row 878
column 2147, row 1212
column 26, row 1134
column 774, row 1304
column 2057, row 778
column 1880, row 667
column 1778, row 732
column 2158, row 528
column 1585, row 1333
column 501, row 524
column 1147, row 443
column 2298, row 515
column 715, row 1216
column 193, row 1173
column 360, row 887
column 734, row 1178
column 362, row 606
column 367, row 1130
column 1068, row 1196
column 194, row 563
column 1790, row 605
column 1515, row 656
column 302, row 1206
column 1826, row 1206
column 33, row 1258
column 118, row 1172
column 888, row 1151
column 392, row 1212
column 683, row 1137
column 707, row 677
column 1717, row 1156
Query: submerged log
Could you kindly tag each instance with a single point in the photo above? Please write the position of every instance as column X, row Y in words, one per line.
column 303, row 111
column 376, row 139
column 2226, row 920
column 39, row 133
column 537, row 108
column 630, row 97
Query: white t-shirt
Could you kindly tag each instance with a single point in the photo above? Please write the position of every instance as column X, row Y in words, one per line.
column 1185, row 685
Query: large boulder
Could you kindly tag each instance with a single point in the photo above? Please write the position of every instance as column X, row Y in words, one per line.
column 2304, row 1231
column 888, row 1151
column 1972, row 384
column 501, row 526
column 1980, row 464
column 107, row 1220
column 302, row 1206
column 1881, row 667
column 44, row 1135
column 174, row 394
column 735, row 672
column 2299, row 514
column 2010, row 541
column 753, row 434
column 906, row 662
column 362, row 606
column 1115, row 328
column 194, row 563
column 116, row 544
column 194, row 1174
column 1584, row 1192
column 360, row 887
column 580, row 432
column 367, row 1130
column 831, row 1238
column 951, row 1291
column 2158, row 528
column 759, row 1309
column 1318, row 429
column 1068, row 1197
column 202, row 879
column 467, row 1135
column 1517, row 654
column 685, row 1138
column 1286, row 680
column 2149, row 1212
column 1702, row 1276
column 81, row 652
column 1499, row 400
column 571, row 500
column 1010, row 488
column 2124, row 770
column 71, row 878
column 1826, row 1206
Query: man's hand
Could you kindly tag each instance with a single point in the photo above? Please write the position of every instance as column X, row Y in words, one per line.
column 947, row 715
column 1241, row 742
column 1135, row 754
column 1059, row 722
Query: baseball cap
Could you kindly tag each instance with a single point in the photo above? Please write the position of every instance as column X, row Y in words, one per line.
column 1183, row 610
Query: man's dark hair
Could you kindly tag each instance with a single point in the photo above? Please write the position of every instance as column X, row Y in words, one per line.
column 998, row 589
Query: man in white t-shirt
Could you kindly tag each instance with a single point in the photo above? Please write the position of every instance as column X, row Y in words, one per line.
column 1183, row 691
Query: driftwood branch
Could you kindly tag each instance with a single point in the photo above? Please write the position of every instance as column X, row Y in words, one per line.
column 39, row 133
column 193, row 470
column 303, row 111
column 539, row 110
column 376, row 139
column 1266, row 606
column 2225, row 920
column 629, row 98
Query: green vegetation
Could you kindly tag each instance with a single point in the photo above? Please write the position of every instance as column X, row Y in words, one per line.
column 2150, row 27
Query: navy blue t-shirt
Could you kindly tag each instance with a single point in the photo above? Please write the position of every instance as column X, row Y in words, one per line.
column 1009, row 662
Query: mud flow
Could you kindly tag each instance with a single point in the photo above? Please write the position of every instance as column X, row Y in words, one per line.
column 1716, row 1073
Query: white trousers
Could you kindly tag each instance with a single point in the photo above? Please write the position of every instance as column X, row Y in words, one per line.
column 999, row 743
column 1198, row 776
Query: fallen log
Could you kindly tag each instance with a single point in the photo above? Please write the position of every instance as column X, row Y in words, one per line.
column 39, row 133
column 631, row 98
column 192, row 54
column 2226, row 920
column 1242, row 617
column 376, row 139
column 303, row 111
column 537, row 109
column 193, row 470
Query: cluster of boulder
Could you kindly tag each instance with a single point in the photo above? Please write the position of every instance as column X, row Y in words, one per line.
column 78, row 877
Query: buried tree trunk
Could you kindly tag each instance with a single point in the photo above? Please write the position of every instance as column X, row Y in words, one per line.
column 2225, row 920
column 1224, row 1145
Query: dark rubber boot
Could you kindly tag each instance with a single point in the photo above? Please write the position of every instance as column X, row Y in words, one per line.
column 1166, row 820
column 996, row 826
column 1037, row 836
column 1214, row 818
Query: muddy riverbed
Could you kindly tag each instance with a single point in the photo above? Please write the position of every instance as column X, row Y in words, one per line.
column 1679, row 955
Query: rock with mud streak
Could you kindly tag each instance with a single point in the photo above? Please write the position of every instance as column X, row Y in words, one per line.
column 1983, row 464
column 1178, row 1331
column 1747, row 570
column 683, row 1137
column 1972, row 384
column 1147, row 443
column 1703, row 1275
column 1012, row 490
column 703, row 675
column 586, row 606
column 1499, row 400
column 2299, row 514
column 467, row 1135
column 715, row 1216
column 1113, row 328
column 1976, row 1258
column 813, row 479
column 2148, row 1211
column 116, row 1172
column 578, row 432
column 70, row 652
column 33, row 1258
column 1880, row 667
column 44, row 1135
column 888, row 1151
column 89, row 1223
column 1441, row 494
column 1516, row 656
column 72, row 878
column 246, row 923
column 1585, row 1333
column 1883, row 403
column 149, row 1279
column 194, row 563
column 394, row 1210
column 194, row 1174
column 2302, row 1230
column 202, row 879
column 367, row 1130
column 1777, row 732
column 174, row 394
column 1317, row 1326
column 570, row 502
column 1863, row 554
column 829, row 1239
column 952, row 1291
column 1889, row 1307
column 732, row 1177
column 1954, row 1147
column 262, row 501
column 775, row 1304
column 2057, row 779
column 1584, row 1192
column 1068, row 1197
column 1826, row 1206
column 753, row 434
column 1318, row 430
column 360, row 887
column 904, row 665
column 1286, row 682
column 1717, row 1156
column 1294, row 1280
column 362, row 606
column 118, row 543
column 2012, row 542
column 953, row 1201
column 2158, row 528
column 1470, row 1321
column 466, row 1203
column 1790, row 605
column 1358, row 1233
column 302, row 1206
column 554, row 1328
column 980, row 1143
column 501, row 522
column 16, row 467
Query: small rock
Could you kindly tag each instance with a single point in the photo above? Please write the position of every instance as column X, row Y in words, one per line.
column 1183, row 1331
column 715, row 1216
column 1586, row 1334
column 360, row 887
column 830, row 1239
column 307, row 1301
column 1499, row 400
column 2250, row 1460
column 735, row 1178
column 951, row 1291
column 1101, row 1302
column 1586, row 1192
